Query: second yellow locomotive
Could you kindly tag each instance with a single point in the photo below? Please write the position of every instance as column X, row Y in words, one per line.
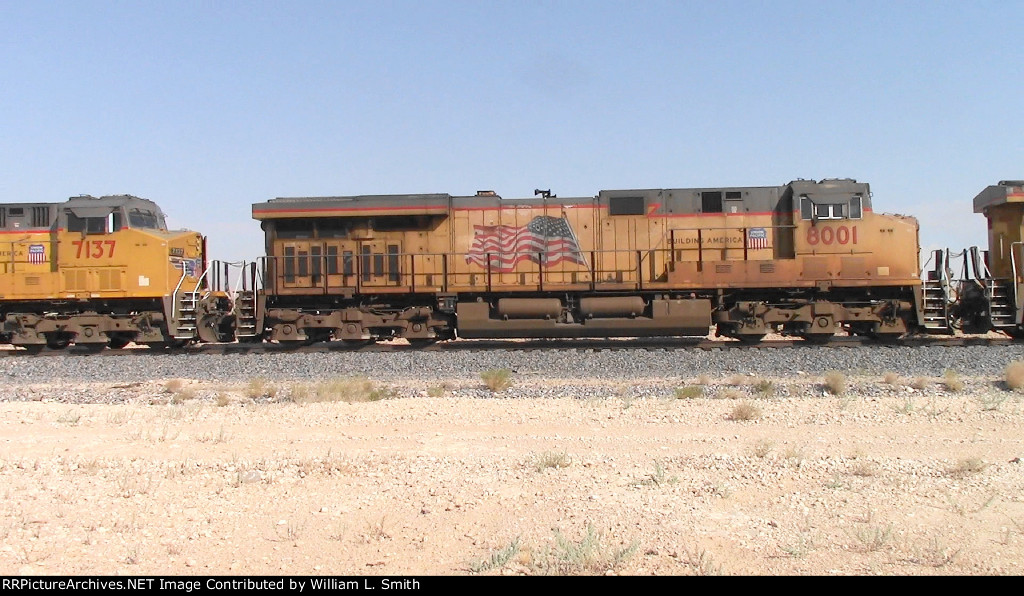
column 806, row 258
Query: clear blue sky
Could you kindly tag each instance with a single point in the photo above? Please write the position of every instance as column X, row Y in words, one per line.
column 207, row 107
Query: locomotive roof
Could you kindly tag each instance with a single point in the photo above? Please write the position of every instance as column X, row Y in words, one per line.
column 86, row 201
column 1006, row 191
column 755, row 198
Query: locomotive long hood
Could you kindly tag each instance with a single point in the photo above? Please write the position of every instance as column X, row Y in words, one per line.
column 365, row 205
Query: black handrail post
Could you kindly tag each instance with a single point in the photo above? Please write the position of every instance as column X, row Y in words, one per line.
column 639, row 270
column 700, row 250
column 488, row 272
column 593, row 271
column 540, row 271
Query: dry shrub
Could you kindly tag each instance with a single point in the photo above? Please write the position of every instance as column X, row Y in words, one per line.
column 892, row 378
column 952, row 382
column 689, row 392
column 731, row 394
column 1014, row 375
column 346, row 389
column 497, row 380
column 864, row 468
column 551, row 459
column 173, row 386
column 920, row 383
column 260, row 387
column 745, row 411
column 835, row 382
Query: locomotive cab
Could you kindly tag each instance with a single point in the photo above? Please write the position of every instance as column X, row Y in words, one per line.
column 96, row 271
column 998, row 279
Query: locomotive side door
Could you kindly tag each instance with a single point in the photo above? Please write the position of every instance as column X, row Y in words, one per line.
column 617, row 257
column 296, row 270
column 379, row 263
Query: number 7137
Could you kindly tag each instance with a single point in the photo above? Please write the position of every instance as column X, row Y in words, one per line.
column 94, row 249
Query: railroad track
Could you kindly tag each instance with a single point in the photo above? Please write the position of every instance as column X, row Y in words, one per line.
column 596, row 345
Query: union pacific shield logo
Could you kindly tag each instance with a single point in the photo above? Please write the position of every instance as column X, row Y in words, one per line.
column 757, row 238
column 36, row 254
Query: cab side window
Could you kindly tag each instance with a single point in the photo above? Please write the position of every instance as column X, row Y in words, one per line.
column 88, row 225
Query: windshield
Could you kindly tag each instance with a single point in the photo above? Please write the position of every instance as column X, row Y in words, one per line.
column 144, row 218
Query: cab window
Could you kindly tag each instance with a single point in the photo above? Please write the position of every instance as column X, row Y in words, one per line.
column 88, row 225
column 144, row 218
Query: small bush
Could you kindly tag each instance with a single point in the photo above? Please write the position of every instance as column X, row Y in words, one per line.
column 873, row 538
column 952, row 382
column 436, row 391
column 763, row 448
column 223, row 400
column 835, row 382
column 1014, row 375
column 731, row 394
column 346, row 389
column 173, row 386
column 498, row 559
column 920, row 383
column 551, row 459
column 765, row 387
column 182, row 395
column 864, row 468
column 689, row 392
column 703, row 380
column 745, row 411
column 892, row 378
column 588, row 556
column 497, row 380
column 658, row 477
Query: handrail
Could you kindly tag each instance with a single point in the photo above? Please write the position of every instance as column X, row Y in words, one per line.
column 1014, row 272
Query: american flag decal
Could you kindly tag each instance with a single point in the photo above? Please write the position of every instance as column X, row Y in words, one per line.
column 757, row 238
column 36, row 254
column 545, row 240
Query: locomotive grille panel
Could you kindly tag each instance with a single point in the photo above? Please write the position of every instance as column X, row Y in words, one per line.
column 75, row 280
column 766, row 268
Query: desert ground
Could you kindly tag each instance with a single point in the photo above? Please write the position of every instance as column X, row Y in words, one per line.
column 733, row 476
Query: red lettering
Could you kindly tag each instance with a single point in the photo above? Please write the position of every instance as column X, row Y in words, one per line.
column 842, row 235
column 94, row 249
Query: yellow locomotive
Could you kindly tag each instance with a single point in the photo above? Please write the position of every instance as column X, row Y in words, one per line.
column 98, row 272
column 987, row 293
column 806, row 258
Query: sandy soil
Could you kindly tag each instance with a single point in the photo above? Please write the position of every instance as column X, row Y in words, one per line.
column 203, row 479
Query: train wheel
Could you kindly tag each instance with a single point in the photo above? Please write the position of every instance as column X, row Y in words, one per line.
column 749, row 339
column 91, row 348
column 420, row 342
column 314, row 336
column 58, row 341
column 1015, row 333
column 119, row 342
column 33, row 348
column 817, row 339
